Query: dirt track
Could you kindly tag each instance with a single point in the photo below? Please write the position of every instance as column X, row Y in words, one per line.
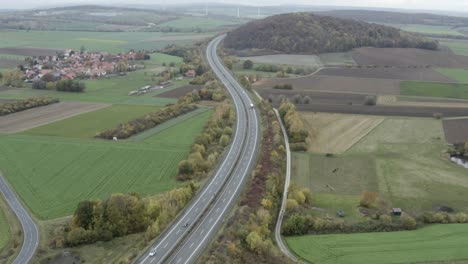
column 456, row 131
column 400, row 57
column 337, row 84
column 407, row 74
column 39, row 116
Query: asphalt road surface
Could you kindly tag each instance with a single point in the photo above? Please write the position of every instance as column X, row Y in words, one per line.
column 198, row 223
column 30, row 231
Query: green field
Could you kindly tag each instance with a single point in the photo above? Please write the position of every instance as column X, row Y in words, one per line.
column 338, row 58
column 88, row 124
column 52, row 174
column 428, row 29
column 113, row 90
column 4, row 229
column 92, row 41
column 461, row 75
column 442, row 90
column 200, row 22
column 437, row 243
column 460, row 48
column 400, row 159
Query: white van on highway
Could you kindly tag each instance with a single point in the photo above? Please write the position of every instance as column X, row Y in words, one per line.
column 153, row 252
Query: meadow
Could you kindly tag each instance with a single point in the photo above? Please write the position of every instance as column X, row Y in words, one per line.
column 443, row 90
column 428, row 29
column 461, row 75
column 88, row 124
column 93, row 41
column 400, row 159
column 459, row 47
column 436, row 243
column 52, row 174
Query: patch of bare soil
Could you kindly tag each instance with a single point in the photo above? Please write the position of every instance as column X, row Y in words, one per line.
column 336, row 84
column 30, row 51
column 407, row 74
column 39, row 116
column 399, row 57
column 456, row 130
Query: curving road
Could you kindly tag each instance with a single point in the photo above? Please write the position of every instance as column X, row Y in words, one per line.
column 30, row 231
column 279, row 239
column 198, row 223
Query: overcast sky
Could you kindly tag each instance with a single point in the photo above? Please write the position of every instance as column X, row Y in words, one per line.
column 449, row 5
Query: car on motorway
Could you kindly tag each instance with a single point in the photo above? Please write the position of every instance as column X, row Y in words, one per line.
column 251, row 106
column 153, row 252
column 186, row 224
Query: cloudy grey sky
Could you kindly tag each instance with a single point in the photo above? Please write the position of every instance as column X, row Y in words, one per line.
column 449, row 5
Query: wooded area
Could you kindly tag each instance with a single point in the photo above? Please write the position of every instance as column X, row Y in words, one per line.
column 308, row 33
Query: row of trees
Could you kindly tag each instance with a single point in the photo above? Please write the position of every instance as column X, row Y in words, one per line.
column 248, row 235
column 209, row 144
column 309, row 33
column 150, row 120
column 20, row 105
column 297, row 132
column 61, row 85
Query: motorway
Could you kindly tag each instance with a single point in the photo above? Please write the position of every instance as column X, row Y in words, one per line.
column 198, row 223
column 30, row 231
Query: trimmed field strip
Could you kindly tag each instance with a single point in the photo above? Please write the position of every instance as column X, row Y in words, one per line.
column 442, row 90
column 437, row 243
column 155, row 130
column 88, row 124
column 39, row 116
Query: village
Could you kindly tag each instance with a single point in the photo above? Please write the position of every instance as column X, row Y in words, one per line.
column 72, row 64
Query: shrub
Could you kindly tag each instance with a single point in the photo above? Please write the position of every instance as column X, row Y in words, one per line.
column 21, row 105
column 461, row 218
column 408, row 222
column 39, row 85
column 368, row 199
column 386, row 219
column 247, row 65
column 283, row 87
column 437, row 115
column 291, row 204
column 306, row 100
column 370, row 100
column 297, row 98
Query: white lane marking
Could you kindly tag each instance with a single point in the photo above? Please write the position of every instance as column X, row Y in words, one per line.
column 178, row 231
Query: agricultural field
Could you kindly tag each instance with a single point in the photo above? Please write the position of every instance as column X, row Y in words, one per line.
column 401, row 159
column 400, row 57
column 410, row 74
column 113, row 90
column 459, row 47
column 442, row 90
column 93, row 41
column 428, row 29
column 337, row 59
column 286, row 59
column 205, row 23
column 69, row 170
column 336, row 133
column 460, row 75
column 441, row 243
column 39, row 116
column 456, row 130
column 89, row 124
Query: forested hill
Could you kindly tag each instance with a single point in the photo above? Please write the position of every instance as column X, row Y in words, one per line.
column 308, row 33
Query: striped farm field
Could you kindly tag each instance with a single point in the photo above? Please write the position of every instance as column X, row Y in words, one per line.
column 52, row 174
column 88, row 124
column 433, row 244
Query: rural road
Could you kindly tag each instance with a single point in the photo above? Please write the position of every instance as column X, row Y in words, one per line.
column 30, row 231
column 199, row 222
column 279, row 240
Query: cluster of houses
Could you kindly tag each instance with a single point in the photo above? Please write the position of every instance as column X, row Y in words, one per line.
column 72, row 64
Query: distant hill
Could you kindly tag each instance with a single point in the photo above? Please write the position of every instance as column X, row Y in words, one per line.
column 398, row 17
column 309, row 33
